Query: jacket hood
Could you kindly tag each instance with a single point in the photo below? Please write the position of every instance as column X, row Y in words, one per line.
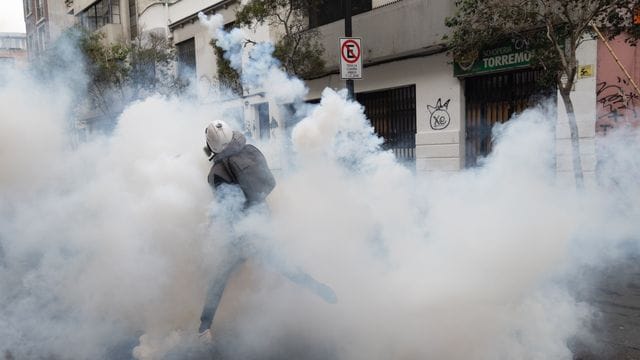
column 235, row 145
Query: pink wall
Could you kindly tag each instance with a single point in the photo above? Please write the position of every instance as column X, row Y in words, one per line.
column 616, row 97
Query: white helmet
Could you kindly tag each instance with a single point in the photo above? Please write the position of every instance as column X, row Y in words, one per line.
column 219, row 135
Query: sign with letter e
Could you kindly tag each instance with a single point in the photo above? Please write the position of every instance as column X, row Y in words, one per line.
column 350, row 58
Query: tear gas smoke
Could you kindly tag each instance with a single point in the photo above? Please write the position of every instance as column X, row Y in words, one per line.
column 107, row 246
column 261, row 70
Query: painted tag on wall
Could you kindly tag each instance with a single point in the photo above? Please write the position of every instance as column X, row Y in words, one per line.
column 617, row 99
column 439, row 117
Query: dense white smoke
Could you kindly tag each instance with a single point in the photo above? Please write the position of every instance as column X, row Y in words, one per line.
column 260, row 71
column 106, row 247
column 93, row 235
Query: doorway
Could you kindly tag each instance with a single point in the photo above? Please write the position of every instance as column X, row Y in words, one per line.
column 495, row 98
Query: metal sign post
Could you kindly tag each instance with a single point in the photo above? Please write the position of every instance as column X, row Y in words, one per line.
column 347, row 33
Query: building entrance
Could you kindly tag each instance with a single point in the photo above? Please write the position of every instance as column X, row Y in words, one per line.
column 495, row 98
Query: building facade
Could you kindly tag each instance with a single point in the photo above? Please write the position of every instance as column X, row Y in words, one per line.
column 450, row 110
column 44, row 21
column 433, row 114
column 13, row 49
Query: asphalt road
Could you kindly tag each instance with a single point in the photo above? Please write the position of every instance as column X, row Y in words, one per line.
column 613, row 291
column 615, row 294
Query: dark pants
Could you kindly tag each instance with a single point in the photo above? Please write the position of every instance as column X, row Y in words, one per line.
column 235, row 260
column 236, row 254
column 216, row 289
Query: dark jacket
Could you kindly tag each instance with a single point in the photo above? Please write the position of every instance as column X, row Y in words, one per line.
column 218, row 174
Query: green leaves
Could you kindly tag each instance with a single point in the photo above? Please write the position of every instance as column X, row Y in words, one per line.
column 255, row 12
column 553, row 28
column 298, row 50
column 227, row 76
column 123, row 72
column 106, row 64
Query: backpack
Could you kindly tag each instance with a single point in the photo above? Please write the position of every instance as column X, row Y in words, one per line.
column 249, row 169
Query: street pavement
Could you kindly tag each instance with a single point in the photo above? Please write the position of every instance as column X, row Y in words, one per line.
column 615, row 294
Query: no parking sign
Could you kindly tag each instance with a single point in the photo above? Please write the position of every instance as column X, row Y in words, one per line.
column 350, row 58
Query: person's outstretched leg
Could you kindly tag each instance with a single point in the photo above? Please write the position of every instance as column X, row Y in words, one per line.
column 215, row 291
column 298, row 276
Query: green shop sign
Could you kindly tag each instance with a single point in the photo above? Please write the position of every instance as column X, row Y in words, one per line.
column 509, row 55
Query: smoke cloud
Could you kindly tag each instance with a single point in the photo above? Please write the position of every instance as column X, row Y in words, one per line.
column 107, row 245
column 260, row 71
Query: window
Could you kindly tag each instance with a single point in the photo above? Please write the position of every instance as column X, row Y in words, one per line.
column 27, row 7
column 42, row 37
column 115, row 12
column 392, row 113
column 133, row 19
column 264, row 125
column 39, row 9
column 31, row 45
column 99, row 14
column 186, row 59
column 494, row 98
column 12, row 43
column 102, row 14
column 333, row 10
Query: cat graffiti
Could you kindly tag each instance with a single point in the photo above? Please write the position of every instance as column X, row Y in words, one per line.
column 439, row 118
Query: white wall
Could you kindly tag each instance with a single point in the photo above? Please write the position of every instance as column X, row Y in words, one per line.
column 436, row 150
column 59, row 19
column 79, row 5
column 206, row 68
column 182, row 9
column 443, row 150
column 153, row 18
column 584, row 103
column 398, row 28
column 205, row 56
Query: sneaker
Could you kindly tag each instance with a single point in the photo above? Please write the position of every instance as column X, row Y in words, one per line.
column 206, row 336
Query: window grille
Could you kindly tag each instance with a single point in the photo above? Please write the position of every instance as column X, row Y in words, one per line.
column 495, row 98
column 186, row 51
column 392, row 113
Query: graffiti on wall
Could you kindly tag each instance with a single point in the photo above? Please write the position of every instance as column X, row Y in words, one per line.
column 617, row 102
column 439, row 117
column 616, row 96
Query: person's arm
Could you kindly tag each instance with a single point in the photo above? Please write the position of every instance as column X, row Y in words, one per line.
column 218, row 175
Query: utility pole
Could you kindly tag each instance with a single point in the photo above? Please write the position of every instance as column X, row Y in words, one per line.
column 348, row 33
